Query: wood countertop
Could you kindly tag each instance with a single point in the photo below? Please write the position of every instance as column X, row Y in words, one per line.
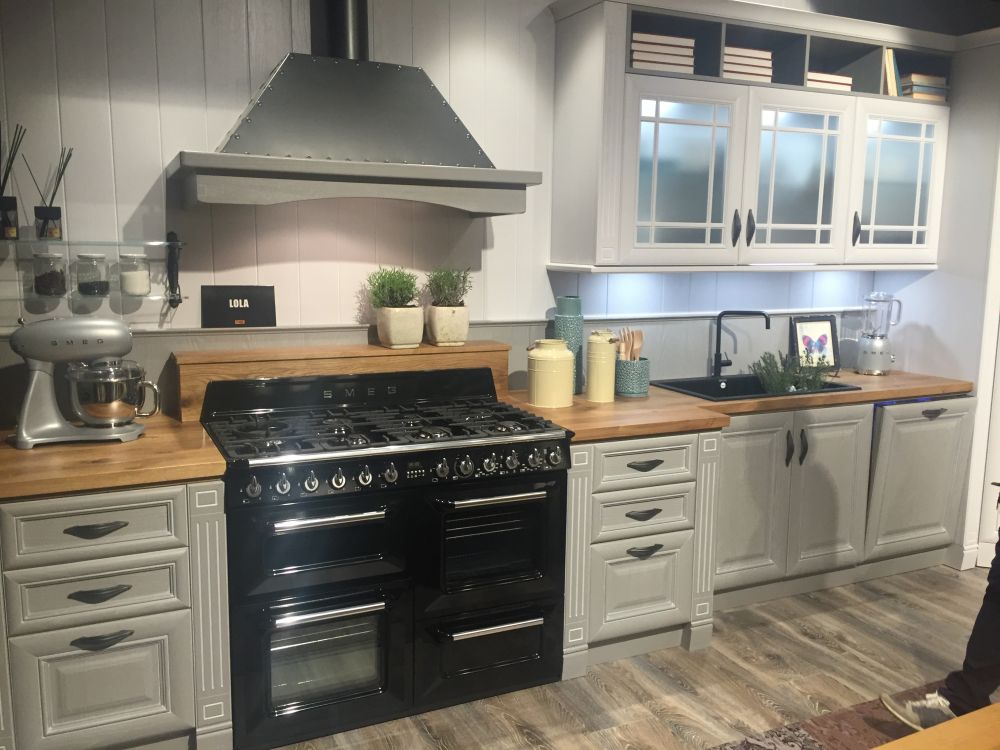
column 167, row 452
column 665, row 412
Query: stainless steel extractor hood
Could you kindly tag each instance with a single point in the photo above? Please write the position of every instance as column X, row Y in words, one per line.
column 331, row 127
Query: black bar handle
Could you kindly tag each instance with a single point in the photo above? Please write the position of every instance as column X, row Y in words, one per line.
column 645, row 465
column 642, row 515
column 751, row 227
column 789, row 447
column 643, row 552
column 805, row 447
column 933, row 413
column 737, row 227
column 95, row 530
column 856, row 231
column 101, row 642
column 98, row 596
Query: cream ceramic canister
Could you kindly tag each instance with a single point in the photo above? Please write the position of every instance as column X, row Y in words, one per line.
column 601, row 367
column 550, row 374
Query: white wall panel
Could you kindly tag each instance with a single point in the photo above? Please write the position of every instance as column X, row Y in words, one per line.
column 227, row 65
column 319, row 274
column 392, row 24
column 234, row 244
column 301, row 43
column 431, row 48
column 355, row 256
column 269, row 25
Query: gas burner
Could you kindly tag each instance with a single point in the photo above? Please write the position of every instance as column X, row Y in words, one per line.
column 261, row 427
column 337, row 426
column 432, row 432
column 411, row 421
column 509, row 426
column 477, row 416
column 356, row 441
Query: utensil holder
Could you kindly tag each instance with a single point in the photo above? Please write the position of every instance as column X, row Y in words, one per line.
column 632, row 377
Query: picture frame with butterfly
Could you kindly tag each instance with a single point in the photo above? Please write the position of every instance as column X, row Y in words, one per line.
column 814, row 339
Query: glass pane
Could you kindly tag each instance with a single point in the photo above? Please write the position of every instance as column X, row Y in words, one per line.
column 682, row 169
column 824, row 237
column 767, row 118
column 685, row 236
column 685, row 111
column 866, row 201
column 873, row 123
column 928, row 130
column 644, row 201
column 921, row 238
column 833, row 122
column 893, row 238
column 764, row 179
column 796, row 178
column 896, row 196
column 793, row 236
column 925, row 183
column 716, row 237
column 719, row 178
column 325, row 662
column 865, row 237
column 895, row 127
column 829, row 178
column 722, row 114
column 648, row 108
column 800, row 120
column 642, row 235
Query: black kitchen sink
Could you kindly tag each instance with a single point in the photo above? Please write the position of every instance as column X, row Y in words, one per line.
column 733, row 387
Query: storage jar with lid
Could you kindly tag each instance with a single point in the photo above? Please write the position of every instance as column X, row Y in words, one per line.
column 50, row 274
column 550, row 374
column 92, row 275
column 133, row 273
column 601, row 366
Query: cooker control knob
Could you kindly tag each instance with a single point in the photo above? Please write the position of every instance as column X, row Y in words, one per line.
column 338, row 480
column 535, row 458
column 512, row 461
column 490, row 463
column 555, row 456
column 442, row 468
column 464, row 466
column 282, row 486
column 365, row 477
column 390, row 475
column 311, row 482
column 254, row 488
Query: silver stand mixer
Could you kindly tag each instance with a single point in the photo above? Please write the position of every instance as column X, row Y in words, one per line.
column 875, row 357
column 109, row 402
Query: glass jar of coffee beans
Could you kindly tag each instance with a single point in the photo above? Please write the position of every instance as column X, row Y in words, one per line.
column 92, row 275
column 50, row 274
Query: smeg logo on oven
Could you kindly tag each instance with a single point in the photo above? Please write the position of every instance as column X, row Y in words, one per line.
column 330, row 394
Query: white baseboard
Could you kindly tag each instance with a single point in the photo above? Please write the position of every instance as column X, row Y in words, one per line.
column 962, row 558
column 986, row 552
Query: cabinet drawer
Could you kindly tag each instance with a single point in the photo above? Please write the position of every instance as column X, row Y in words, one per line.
column 621, row 514
column 61, row 596
column 644, row 463
column 85, row 527
column 640, row 584
column 138, row 684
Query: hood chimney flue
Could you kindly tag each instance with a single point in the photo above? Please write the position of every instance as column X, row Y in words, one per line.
column 339, row 28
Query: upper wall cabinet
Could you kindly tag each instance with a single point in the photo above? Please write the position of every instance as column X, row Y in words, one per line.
column 659, row 168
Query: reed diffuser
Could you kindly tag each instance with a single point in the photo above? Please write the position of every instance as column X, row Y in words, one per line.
column 8, row 203
column 48, row 218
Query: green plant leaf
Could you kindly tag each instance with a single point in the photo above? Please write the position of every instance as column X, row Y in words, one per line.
column 392, row 287
column 448, row 286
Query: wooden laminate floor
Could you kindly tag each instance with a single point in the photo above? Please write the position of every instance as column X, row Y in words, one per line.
column 769, row 664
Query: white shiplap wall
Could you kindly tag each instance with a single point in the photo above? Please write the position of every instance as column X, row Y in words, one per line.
column 129, row 83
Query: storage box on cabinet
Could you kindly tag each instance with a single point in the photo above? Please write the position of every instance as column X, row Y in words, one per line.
column 83, row 527
column 629, row 464
column 99, row 686
column 640, row 584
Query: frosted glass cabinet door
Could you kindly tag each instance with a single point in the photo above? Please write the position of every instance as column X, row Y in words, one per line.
column 796, row 190
column 897, row 182
column 682, row 171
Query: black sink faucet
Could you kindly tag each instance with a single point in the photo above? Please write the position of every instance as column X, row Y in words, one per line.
column 719, row 361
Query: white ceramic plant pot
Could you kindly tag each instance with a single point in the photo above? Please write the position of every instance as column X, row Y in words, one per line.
column 400, row 327
column 447, row 326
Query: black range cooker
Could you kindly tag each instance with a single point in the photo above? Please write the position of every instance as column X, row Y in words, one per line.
column 396, row 544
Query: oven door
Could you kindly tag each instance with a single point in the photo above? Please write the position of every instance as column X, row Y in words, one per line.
column 328, row 540
column 307, row 668
column 464, row 657
column 491, row 544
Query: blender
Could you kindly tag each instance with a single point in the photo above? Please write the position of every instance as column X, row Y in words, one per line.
column 874, row 355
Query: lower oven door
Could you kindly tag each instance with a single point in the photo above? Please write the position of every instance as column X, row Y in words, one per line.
column 462, row 658
column 328, row 540
column 308, row 668
column 491, row 544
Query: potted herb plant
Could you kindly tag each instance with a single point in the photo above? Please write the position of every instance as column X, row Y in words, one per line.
column 447, row 315
column 392, row 292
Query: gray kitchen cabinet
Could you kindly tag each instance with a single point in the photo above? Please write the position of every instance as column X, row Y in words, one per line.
column 640, row 584
column 101, row 685
column 829, row 488
column 919, row 468
column 751, row 539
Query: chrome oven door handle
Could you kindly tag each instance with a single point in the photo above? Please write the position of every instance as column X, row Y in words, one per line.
column 309, row 618
column 478, row 502
column 293, row 525
column 464, row 635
